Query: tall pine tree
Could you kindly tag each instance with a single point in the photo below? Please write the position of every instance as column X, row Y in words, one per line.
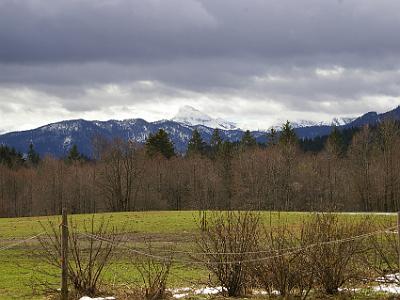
column 288, row 136
column 196, row 144
column 272, row 137
column 335, row 143
column 159, row 143
column 33, row 156
column 74, row 154
column 215, row 142
column 248, row 140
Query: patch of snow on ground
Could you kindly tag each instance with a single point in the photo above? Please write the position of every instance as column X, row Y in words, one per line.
column 209, row 291
column 388, row 284
column 387, row 288
column 184, row 292
column 180, row 293
column 389, row 278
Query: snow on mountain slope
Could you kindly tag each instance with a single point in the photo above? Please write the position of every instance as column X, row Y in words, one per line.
column 308, row 123
column 188, row 115
column 342, row 121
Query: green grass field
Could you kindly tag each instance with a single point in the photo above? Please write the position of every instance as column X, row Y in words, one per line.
column 18, row 267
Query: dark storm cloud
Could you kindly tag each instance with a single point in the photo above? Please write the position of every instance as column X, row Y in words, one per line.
column 34, row 31
column 88, row 30
column 307, row 56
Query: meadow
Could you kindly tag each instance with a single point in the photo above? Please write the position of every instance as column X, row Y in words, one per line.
column 19, row 270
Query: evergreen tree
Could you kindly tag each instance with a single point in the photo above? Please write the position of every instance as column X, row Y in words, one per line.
column 272, row 137
column 335, row 144
column 160, row 143
column 215, row 141
column 74, row 154
column 196, row 144
column 33, row 156
column 248, row 140
column 288, row 136
column 10, row 157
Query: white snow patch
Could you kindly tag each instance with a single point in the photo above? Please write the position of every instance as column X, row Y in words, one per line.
column 67, row 141
column 180, row 293
column 387, row 288
column 389, row 278
column 389, row 283
column 209, row 291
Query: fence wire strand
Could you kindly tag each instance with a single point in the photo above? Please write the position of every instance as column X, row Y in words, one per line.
column 287, row 251
column 21, row 242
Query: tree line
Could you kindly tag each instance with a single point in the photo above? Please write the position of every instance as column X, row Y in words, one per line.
column 354, row 170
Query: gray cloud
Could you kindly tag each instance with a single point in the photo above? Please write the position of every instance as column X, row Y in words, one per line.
column 267, row 58
column 153, row 30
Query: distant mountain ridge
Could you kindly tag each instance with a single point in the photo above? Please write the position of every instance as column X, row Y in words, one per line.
column 57, row 138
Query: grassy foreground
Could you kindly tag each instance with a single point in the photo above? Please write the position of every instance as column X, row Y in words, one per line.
column 17, row 267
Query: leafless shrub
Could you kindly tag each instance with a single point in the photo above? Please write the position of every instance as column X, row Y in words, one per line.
column 384, row 257
column 285, row 269
column 226, row 233
column 335, row 263
column 90, row 251
column 154, row 272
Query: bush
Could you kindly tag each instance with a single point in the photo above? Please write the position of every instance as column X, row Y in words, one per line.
column 288, row 271
column 89, row 252
column 384, row 257
column 154, row 272
column 227, row 233
column 335, row 263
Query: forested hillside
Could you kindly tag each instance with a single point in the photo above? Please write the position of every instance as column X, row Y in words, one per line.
column 348, row 170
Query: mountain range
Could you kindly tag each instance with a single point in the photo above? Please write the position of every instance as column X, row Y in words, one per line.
column 57, row 138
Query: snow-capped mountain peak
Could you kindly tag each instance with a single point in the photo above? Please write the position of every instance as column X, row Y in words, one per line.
column 189, row 115
column 342, row 121
column 308, row 123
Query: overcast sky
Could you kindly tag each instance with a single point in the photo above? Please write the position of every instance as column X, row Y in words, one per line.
column 251, row 61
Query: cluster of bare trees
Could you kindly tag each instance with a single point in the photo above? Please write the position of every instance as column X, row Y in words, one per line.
column 279, row 177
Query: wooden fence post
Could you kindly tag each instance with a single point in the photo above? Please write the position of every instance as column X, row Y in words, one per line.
column 64, row 255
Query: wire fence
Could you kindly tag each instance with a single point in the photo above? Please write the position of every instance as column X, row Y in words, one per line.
column 199, row 258
column 286, row 251
column 33, row 237
column 283, row 252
